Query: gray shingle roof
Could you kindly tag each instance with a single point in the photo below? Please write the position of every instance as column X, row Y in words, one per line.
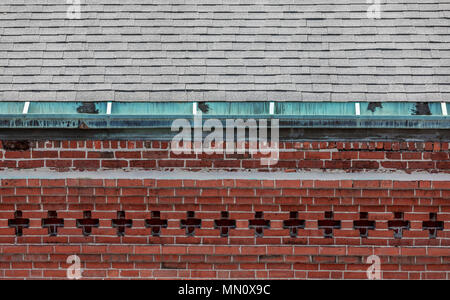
column 301, row 50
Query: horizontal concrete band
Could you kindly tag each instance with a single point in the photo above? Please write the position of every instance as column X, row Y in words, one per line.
column 305, row 175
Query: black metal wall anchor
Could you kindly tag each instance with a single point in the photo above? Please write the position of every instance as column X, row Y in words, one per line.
column 433, row 225
column 52, row 222
column 87, row 223
column 398, row 225
column 18, row 223
column 121, row 223
column 329, row 224
column 156, row 223
column 259, row 224
column 224, row 224
column 190, row 223
column 293, row 224
column 364, row 224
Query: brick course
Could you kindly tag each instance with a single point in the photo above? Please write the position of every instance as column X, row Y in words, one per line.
column 241, row 254
column 156, row 155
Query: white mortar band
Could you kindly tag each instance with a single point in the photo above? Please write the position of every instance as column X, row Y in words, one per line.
column 203, row 175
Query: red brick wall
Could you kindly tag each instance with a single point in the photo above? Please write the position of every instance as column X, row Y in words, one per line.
column 241, row 254
column 351, row 156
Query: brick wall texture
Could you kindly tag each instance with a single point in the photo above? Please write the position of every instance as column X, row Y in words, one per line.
column 224, row 228
column 156, row 155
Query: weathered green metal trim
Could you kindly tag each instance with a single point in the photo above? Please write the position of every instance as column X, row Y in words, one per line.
column 285, row 134
column 135, row 121
column 153, row 115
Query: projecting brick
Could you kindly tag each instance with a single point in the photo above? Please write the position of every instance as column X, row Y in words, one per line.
column 44, row 154
column 58, row 164
column 406, row 185
column 317, row 155
column 365, row 164
column 441, row 185
column 53, row 182
column 30, row 164
column 86, row 164
column 326, row 184
column 17, row 154
column 114, row 164
column 72, row 154
column 371, row 155
column 128, row 154
column 129, row 182
column 100, row 154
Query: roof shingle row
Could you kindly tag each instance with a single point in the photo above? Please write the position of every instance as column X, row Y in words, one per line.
column 234, row 50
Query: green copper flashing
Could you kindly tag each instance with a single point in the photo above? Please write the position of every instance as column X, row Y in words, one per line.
column 123, row 115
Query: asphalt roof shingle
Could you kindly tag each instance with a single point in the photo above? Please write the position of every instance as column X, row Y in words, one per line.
column 232, row 50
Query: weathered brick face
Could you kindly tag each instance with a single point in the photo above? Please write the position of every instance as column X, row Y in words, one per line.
column 156, row 155
column 224, row 228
